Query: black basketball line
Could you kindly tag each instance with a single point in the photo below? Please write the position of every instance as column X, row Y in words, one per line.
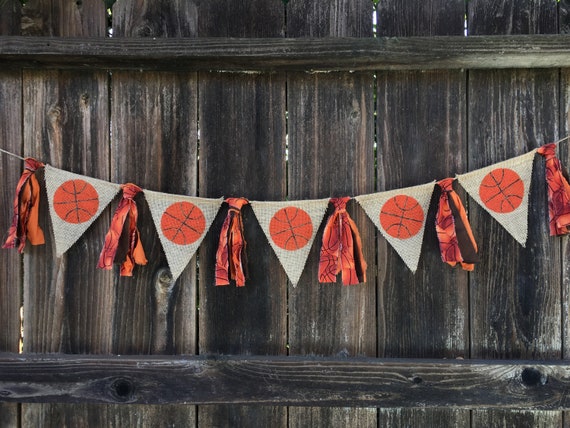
column 76, row 209
column 501, row 191
column 183, row 223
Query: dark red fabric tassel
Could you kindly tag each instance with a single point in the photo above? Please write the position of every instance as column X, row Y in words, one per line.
column 25, row 225
column 558, row 192
column 230, row 257
column 135, row 252
column 456, row 241
column 341, row 250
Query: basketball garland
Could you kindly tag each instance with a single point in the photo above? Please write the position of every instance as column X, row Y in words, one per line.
column 76, row 201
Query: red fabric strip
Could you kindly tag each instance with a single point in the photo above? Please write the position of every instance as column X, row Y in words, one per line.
column 456, row 241
column 135, row 253
column 230, row 256
column 558, row 192
column 341, row 249
column 25, row 224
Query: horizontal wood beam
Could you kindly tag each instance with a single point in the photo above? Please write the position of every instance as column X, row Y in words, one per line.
column 263, row 55
column 285, row 381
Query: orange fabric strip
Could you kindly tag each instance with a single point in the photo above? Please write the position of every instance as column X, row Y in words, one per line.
column 558, row 192
column 456, row 241
column 25, row 224
column 341, row 249
column 135, row 253
column 230, row 256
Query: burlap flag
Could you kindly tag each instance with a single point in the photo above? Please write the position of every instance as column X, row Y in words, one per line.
column 291, row 227
column 400, row 215
column 75, row 202
column 503, row 189
column 181, row 223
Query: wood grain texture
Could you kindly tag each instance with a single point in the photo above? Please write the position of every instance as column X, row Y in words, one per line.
column 328, row 382
column 303, row 54
column 64, row 18
column 242, row 153
column 155, row 145
column 515, row 296
column 10, row 169
column 421, row 134
column 331, row 154
column 10, row 17
column 516, row 418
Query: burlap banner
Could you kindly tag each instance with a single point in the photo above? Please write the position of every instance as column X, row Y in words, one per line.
column 290, row 227
column 75, row 202
column 400, row 215
column 181, row 223
column 503, row 189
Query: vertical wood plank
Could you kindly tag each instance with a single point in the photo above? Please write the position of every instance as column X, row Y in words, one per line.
column 66, row 124
column 564, row 155
column 331, row 153
column 154, row 144
column 421, row 135
column 515, row 296
column 242, row 153
column 10, row 170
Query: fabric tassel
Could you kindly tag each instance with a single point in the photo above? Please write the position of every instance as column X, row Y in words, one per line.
column 558, row 192
column 25, row 225
column 456, row 241
column 230, row 257
column 135, row 253
column 341, row 250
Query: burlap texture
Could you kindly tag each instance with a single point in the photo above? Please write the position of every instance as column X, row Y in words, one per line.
column 408, row 247
column 67, row 233
column 179, row 254
column 515, row 222
column 293, row 259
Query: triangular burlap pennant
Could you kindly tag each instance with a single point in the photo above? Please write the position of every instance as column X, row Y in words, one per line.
column 181, row 223
column 400, row 215
column 75, row 202
column 503, row 189
column 290, row 227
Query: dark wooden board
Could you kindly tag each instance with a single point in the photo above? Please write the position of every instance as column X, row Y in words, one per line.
column 331, row 154
column 155, row 145
column 242, row 153
column 302, row 54
column 421, row 134
column 458, row 385
column 515, row 296
column 10, row 170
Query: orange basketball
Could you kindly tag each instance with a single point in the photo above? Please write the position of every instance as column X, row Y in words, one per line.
column 183, row 223
column 76, row 201
column 402, row 217
column 291, row 228
column 502, row 190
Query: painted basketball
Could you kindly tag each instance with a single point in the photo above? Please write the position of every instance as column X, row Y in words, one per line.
column 183, row 223
column 291, row 228
column 76, row 201
column 502, row 190
column 402, row 217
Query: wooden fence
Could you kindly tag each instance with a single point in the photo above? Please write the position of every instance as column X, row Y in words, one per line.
column 219, row 98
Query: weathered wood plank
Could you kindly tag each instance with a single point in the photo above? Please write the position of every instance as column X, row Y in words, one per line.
column 303, row 54
column 155, row 145
column 10, row 170
column 242, row 153
column 66, row 123
column 515, row 291
column 331, row 154
column 421, row 134
column 303, row 381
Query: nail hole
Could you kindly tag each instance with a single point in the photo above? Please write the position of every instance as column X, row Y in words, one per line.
column 122, row 389
column 417, row 380
column 532, row 377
